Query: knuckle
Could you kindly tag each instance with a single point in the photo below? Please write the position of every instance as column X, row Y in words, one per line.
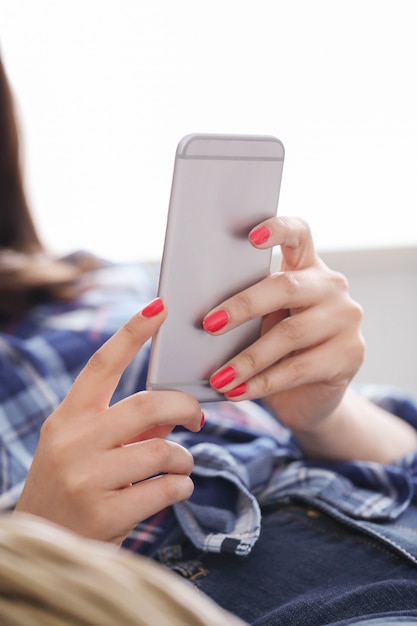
column 172, row 455
column 249, row 361
column 358, row 349
column 297, row 370
column 264, row 383
column 96, row 363
column 353, row 314
column 47, row 431
column 184, row 458
column 339, row 281
column 357, row 312
column 188, row 462
column 177, row 488
column 292, row 328
column 144, row 401
column 245, row 303
column 353, row 357
column 361, row 351
column 131, row 328
column 189, row 406
column 54, row 439
column 291, row 283
column 161, row 450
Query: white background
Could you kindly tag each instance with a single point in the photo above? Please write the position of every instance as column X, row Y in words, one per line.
column 106, row 88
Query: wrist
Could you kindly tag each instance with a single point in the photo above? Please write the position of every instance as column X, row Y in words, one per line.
column 320, row 439
column 357, row 429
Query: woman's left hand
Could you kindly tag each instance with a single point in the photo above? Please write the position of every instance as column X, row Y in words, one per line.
column 311, row 344
column 100, row 468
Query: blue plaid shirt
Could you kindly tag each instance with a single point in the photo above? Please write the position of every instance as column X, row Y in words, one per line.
column 244, row 458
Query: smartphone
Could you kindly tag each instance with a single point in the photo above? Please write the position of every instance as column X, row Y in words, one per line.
column 223, row 186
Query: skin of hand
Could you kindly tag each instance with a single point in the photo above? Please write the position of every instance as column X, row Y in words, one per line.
column 100, row 469
column 310, row 348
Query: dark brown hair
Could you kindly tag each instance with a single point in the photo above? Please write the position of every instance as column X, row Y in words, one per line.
column 17, row 230
column 28, row 274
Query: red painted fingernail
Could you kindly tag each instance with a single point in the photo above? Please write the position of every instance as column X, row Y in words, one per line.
column 216, row 321
column 202, row 420
column 223, row 377
column 237, row 391
column 260, row 235
column 153, row 308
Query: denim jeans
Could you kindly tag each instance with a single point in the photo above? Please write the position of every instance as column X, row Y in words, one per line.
column 308, row 569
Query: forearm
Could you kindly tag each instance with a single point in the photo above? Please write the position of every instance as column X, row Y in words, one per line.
column 359, row 430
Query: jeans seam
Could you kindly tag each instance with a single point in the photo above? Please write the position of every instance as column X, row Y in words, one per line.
column 355, row 535
column 412, row 531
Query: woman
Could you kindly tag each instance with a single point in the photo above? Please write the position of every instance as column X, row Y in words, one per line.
column 279, row 510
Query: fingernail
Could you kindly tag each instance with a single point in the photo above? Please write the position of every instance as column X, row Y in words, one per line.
column 153, row 308
column 260, row 235
column 215, row 321
column 237, row 391
column 223, row 377
column 202, row 420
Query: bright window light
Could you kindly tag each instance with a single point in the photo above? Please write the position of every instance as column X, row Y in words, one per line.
column 106, row 88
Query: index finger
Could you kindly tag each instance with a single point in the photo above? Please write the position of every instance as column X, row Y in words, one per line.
column 96, row 383
column 294, row 236
column 296, row 285
column 279, row 292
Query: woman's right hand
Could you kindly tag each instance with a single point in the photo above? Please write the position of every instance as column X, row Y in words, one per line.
column 99, row 469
